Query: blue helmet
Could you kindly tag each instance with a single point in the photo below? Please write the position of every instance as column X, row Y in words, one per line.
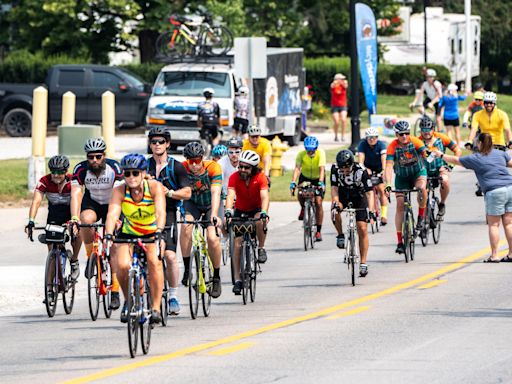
column 219, row 151
column 311, row 143
column 134, row 161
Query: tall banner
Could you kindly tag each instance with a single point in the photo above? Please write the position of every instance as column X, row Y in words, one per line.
column 366, row 33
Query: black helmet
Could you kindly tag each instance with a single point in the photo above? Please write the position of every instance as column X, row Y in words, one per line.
column 402, row 126
column 95, row 145
column 426, row 124
column 235, row 142
column 58, row 163
column 344, row 158
column 192, row 150
column 160, row 132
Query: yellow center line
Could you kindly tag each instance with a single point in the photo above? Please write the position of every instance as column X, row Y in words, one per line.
column 433, row 283
column 286, row 323
column 228, row 350
column 349, row 312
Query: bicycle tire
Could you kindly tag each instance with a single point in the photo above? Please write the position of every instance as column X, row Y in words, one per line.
column 312, row 224
column 133, row 305
column 206, row 298
column 107, row 297
column 164, row 301
column 50, row 287
column 145, row 326
column 224, row 249
column 180, row 48
column 231, row 239
column 193, row 284
column 424, row 233
column 68, row 292
column 93, row 293
column 405, row 235
column 436, row 231
column 305, row 224
column 217, row 42
column 412, row 242
column 378, row 211
column 352, row 257
column 244, row 258
column 254, row 274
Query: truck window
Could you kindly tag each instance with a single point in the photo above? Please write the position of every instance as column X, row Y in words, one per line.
column 192, row 84
column 102, row 79
column 71, row 78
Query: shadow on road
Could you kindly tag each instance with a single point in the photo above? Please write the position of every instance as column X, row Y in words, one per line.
column 481, row 312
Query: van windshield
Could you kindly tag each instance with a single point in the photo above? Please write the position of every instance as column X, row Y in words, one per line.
column 191, row 84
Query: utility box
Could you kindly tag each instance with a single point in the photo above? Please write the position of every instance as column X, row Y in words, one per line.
column 73, row 137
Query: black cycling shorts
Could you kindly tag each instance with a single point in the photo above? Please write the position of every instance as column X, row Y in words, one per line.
column 252, row 225
column 100, row 209
column 197, row 211
column 58, row 214
column 170, row 236
column 213, row 129
column 357, row 202
column 240, row 125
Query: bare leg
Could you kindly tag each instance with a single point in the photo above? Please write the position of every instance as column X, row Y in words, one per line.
column 156, row 276
column 343, row 124
column 507, row 225
column 236, row 257
column 319, row 210
column 173, row 269
column 445, row 186
column 213, row 246
column 362, row 232
column 457, row 135
column 336, row 119
column 493, row 223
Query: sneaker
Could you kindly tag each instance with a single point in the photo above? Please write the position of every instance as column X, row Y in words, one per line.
column 155, row 318
column 336, row 138
column 363, row 270
column 174, row 306
column 318, row 236
column 340, row 241
column 400, row 248
column 441, row 212
column 124, row 313
column 383, row 221
column 115, row 303
column 237, row 288
column 301, row 214
column 75, row 270
column 217, row 288
column 420, row 224
column 184, row 281
column 262, row 255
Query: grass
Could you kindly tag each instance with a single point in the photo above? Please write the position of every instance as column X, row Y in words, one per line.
column 13, row 180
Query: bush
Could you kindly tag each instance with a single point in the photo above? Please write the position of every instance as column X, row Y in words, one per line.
column 146, row 71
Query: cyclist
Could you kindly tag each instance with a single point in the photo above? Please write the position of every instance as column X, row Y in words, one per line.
column 372, row 155
column 98, row 175
column 219, row 151
column 438, row 167
column 249, row 186
column 142, row 204
column 405, row 155
column 261, row 146
column 241, row 121
column 205, row 177
column 229, row 163
column 310, row 167
column 493, row 121
column 350, row 183
column 339, row 108
column 57, row 188
column 476, row 105
column 173, row 176
column 208, row 116
column 434, row 91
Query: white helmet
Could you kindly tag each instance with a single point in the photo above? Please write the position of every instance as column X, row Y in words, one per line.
column 243, row 90
column 254, row 130
column 96, row 144
column 371, row 132
column 490, row 97
column 208, row 91
column 452, row 87
column 431, row 72
column 249, row 157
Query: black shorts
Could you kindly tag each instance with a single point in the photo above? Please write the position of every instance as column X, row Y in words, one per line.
column 213, row 129
column 170, row 236
column 314, row 182
column 240, row 125
column 58, row 214
column 357, row 202
column 100, row 209
column 122, row 235
column 197, row 211
column 452, row 122
column 436, row 105
column 251, row 226
column 338, row 109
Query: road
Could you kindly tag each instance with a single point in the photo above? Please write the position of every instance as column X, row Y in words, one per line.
column 443, row 318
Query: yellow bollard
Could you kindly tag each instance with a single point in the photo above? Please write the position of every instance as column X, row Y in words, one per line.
column 278, row 148
column 36, row 164
column 108, row 121
column 68, row 108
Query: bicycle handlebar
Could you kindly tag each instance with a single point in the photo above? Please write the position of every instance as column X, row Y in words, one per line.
column 95, row 225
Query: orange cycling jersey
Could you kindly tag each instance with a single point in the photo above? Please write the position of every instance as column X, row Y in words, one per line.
column 201, row 184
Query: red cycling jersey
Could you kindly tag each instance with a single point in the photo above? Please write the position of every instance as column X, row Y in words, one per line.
column 248, row 195
column 338, row 96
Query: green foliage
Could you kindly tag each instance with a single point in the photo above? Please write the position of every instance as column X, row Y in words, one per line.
column 146, row 71
column 13, row 180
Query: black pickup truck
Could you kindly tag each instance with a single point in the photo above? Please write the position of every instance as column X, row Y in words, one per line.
column 87, row 82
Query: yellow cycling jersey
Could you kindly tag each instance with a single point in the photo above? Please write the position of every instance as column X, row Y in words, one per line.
column 310, row 166
column 493, row 124
column 263, row 148
column 139, row 217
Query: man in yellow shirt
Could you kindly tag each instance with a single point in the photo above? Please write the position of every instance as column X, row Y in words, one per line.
column 493, row 121
column 261, row 146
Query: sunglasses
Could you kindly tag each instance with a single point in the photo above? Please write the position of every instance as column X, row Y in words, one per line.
column 159, row 142
column 404, row 134
column 234, row 152
column 195, row 161
column 57, row 172
column 372, row 137
column 129, row 173
column 97, row 157
column 245, row 167
column 488, row 102
column 311, row 151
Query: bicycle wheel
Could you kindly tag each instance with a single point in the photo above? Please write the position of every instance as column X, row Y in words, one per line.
column 412, row 242
column 352, row 257
column 405, row 235
column 106, row 281
column 426, row 227
column 68, row 292
column 206, row 297
column 436, row 230
column 217, row 41
column 231, row 239
column 193, row 284
column 254, row 273
column 306, row 225
column 164, row 301
column 93, row 286
column 225, row 249
column 312, row 224
column 377, row 211
column 51, row 287
column 244, row 265
column 133, row 304
column 145, row 326
column 180, row 46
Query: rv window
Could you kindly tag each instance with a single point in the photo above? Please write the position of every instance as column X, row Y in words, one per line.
column 453, row 46
column 192, row 84
column 460, row 46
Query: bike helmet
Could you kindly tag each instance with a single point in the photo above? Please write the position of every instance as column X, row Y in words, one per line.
column 371, row 132
column 402, row 126
column 95, row 145
column 344, row 158
column 478, row 86
column 134, row 161
column 159, row 132
column 431, row 72
column 490, row 97
column 426, row 124
column 452, row 87
column 311, row 143
column 243, row 90
column 208, row 92
column 254, row 130
column 250, row 157
column 235, row 142
column 479, row 95
column 219, row 150
column 58, row 163
column 193, row 150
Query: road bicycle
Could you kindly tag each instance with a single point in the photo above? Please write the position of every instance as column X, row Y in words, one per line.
column 99, row 274
column 375, row 215
column 423, row 113
column 138, row 300
column 408, row 227
column 432, row 219
column 194, row 35
column 57, row 274
column 309, row 192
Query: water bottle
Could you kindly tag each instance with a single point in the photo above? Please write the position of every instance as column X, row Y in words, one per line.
column 104, row 275
column 63, row 257
column 431, row 157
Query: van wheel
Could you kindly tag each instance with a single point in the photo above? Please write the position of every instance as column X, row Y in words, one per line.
column 18, row 122
column 295, row 139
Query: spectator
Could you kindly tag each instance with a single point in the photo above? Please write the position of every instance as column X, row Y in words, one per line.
column 450, row 103
column 339, row 107
column 433, row 89
column 241, row 121
column 490, row 167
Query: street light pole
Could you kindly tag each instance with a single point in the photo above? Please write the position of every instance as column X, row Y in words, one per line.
column 355, row 122
column 469, row 50
column 425, row 30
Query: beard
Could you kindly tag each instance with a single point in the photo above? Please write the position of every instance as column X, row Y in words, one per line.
column 245, row 175
column 98, row 168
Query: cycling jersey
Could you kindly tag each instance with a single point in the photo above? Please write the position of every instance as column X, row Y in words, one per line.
column 434, row 90
column 372, row 155
column 242, row 107
column 407, row 159
column 310, row 166
column 451, row 105
column 98, row 188
column 493, row 125
column 173, row 176
column 440, row 142
column 263, row 148
column 209, row 112
column 139, row 217
column 227, row 171
column 356, row 183
column 474, row 107
column 55, row 194
column 248, row 196
column 201, row 184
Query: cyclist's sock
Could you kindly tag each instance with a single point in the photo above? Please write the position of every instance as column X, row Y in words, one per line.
column 216, row 273
column 319, row 228
column 173, row 292
column 421, row 212
column 186, row 261
column 399, row 237
column 384, row 211
column 115, row 283
column 88, row 249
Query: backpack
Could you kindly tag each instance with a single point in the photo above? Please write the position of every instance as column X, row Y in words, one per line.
column 170, row 177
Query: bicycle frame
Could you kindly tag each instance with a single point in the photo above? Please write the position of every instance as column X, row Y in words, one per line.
column 199, row 245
